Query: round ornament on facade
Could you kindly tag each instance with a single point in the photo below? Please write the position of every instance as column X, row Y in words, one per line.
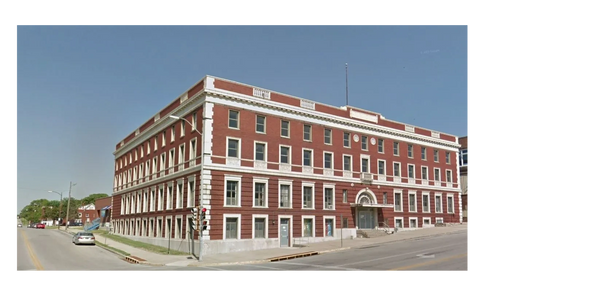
column 356, row 137
column 372, row 141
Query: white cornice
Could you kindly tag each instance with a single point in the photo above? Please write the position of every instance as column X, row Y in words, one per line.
column 163, row 122
column 327, row 117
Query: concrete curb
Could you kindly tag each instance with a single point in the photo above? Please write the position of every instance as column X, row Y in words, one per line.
column 249, row 262
column 334, row 250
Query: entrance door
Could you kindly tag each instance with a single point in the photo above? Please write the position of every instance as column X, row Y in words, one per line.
column 284, row 238
column 366, row 219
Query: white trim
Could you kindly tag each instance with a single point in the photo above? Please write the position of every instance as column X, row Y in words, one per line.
column 290, row 229
column 333, row 230
column 330, row 136
column 423, row 153
column 312, row 160
column 437, row 160
column 424, row 219
column 441, row 203
column 439, row 179
column 229, row 110
column 178, row 230
column 332, row 161
column 264, row 124
column 399, row 218
column 416, row 202
column 266, row 195
column 181, row 157
column 398, row 191
column 304, row 124
column 399, row 176
column 238, row 195
column 314, row 225
column 426, row 173
column 284, row 182
column 239, row 147
column 449, row 201
column 281, row 127
column 264, row 154
column 368, row 158
column 384, row 168
column 343, row 163
column 349, row 139
column 423, row 194
column 450, row 181
column 365, row 142
column 239, row 225
column 312, row 185
column 410, row 150
column 382, row 145
column 332, row 187
column 416, row 221
column 179, row 194
column 259, row 216
column 191, row 192
column 408, row 171
column 289, row 156
column 169, row 230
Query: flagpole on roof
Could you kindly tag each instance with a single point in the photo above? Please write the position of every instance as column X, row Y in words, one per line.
column 346, row 84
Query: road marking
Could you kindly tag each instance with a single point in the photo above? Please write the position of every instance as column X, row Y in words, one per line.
column 426, row 256
column 34, row 258
column 212, row 268
column 431, row 262
column 401, row 254
column 259, row 266
column 319, row 266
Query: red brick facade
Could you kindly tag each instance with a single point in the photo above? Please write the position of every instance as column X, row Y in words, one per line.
column 224, row 96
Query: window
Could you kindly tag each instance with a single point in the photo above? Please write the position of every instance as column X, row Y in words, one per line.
column 435, row 156
column 160, row 198
column 423, row 153
column 171, row 159
column 424, row 173
column 328, row 198
column 307, row 161
column 191, row 192
column 426, row 221
column 233, row 148
column 410, row 151
column 381, row 167
column 439, row 220
column 231, row 228
column 396, row 148
column 234, row 119
column 448, row 157
column 182, row 129
column 284, row 154
column 152, row 200
column 397, row 201
column 173, row 133
column 463, row 158
column 163, row 157
column 307, row 133
column 329, row 226
column 436, row 174
column 449, row 176
column 135, row 158
column 192, row 149
column 307, row 197
column 450, row 204
column 364, row 165
column 347, row 163
column 328, row 160
column 347, row 139
column 178, row 228
column 308, row 227
column 411, row 171
column 412, row 222
column 384, row 197
column 180, row 195
column 181, row 156
column 412, row 202
column 194, row 121
column 425, row 203
column 380, row 145
column 259, row 151
column 285, row 195
column 285, row 128
column 438, row 204
column 259, row 228
column 155, row 144
column 147, row 149
column 260, row 194
column 327, row 136
column 345, row 196
column 364, row 143
column 399, row 222
column 170, row 197
column 397, row 169
column 232, row 193
column 260, row 124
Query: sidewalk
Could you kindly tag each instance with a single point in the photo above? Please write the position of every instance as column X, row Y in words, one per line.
column 266, row 255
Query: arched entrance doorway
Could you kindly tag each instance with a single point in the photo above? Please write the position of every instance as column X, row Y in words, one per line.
column 366, row 215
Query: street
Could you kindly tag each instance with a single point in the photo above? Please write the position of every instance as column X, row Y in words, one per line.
column 41, row 249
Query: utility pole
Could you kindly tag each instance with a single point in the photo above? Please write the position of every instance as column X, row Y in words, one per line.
column 69, row 205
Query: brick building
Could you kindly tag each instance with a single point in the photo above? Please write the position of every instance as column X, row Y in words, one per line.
column 463, row 163
column 278, row 170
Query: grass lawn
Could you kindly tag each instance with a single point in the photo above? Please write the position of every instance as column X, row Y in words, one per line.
column 136, row 244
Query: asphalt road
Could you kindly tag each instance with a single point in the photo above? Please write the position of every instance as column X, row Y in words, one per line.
column 42, row 249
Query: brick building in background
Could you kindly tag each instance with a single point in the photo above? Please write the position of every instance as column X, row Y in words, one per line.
column 277, row 170
column 463, row 164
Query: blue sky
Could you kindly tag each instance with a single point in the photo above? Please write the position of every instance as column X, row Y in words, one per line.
column 81, row 89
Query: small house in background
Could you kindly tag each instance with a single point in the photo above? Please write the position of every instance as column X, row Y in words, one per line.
column 86, row 214
column 103, row 210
